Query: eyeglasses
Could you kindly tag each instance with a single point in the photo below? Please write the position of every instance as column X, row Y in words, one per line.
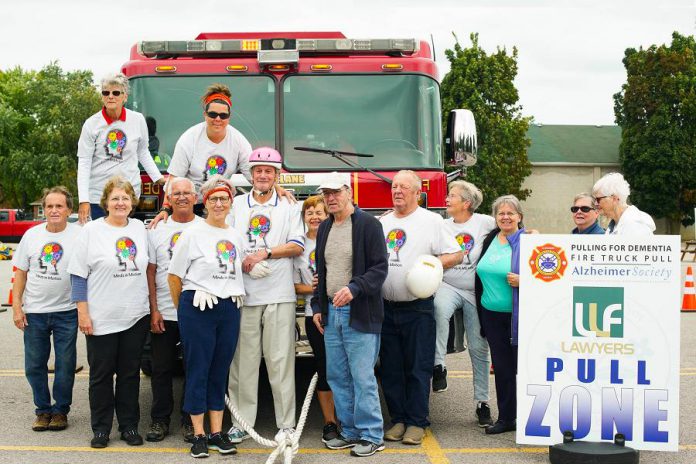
column 115, row 93
column 331, row 193
column 598, row 199
column 181, row 194
column 215, row 114
column 506, row 214
column 584, row 209
column 123, row 199
column 222, row 200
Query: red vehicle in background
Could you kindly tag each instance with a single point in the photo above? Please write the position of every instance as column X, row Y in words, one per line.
column 313, row 90
column 14, row 223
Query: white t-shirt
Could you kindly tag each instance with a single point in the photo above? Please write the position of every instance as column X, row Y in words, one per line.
column 44, row 256
column 469, row 236
column 105, row 150
column 262, row 226
column 197, row 158
column 305, row 267
column 420, row 233
column 209, row 258
column 161, row 241
column 114, row 261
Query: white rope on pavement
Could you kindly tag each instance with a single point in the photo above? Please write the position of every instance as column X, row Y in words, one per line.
column 284, row 443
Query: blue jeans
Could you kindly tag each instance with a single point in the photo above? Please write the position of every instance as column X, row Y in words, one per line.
column 408, row 351
column 350, row 362
column 37, row 350
column 447, row 300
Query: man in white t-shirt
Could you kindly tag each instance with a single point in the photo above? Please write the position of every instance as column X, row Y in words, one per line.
column 408, row 330
column 42, row 307
column 163, row 315
column 274, row 234
column 469, row 229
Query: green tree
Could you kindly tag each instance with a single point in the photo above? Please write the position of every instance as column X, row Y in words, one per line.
column 485, row 85
column 656, row 110
column 41, row 116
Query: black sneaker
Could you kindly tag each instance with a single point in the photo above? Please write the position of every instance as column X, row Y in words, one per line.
column 100, row 440
column 329, row 433
column 132, row 437
column 199, row 449
column 439, row 379
column 187, row 433
column 501, row 426
column 157, row 432
column 483, row 413
column 221, row 443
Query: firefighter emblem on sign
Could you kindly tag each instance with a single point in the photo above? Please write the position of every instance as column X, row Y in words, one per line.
column 548, row 262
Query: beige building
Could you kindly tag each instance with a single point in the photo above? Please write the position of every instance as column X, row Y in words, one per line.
column 567, row 160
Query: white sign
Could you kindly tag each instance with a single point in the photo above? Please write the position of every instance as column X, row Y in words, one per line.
column 599, row 339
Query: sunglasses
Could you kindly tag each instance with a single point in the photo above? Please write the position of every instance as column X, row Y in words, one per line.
column 115, row 93
column 215, row 114
column 584, row 209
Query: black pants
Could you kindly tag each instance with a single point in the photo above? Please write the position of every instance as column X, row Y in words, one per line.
column 164, row 359
column 316, row 341
column 116, row 354
column 498, row 329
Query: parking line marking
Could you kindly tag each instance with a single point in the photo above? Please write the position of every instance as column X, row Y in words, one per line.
column 432, row 449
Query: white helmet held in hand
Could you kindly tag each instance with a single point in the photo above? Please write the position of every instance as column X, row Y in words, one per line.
column 425, row 276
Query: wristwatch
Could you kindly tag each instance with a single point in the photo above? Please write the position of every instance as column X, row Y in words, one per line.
column 270, row 253
column 167, row 209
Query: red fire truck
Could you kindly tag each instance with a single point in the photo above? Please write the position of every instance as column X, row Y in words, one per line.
column 311, row 90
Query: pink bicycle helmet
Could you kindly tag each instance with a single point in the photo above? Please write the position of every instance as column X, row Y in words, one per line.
column 266, row 156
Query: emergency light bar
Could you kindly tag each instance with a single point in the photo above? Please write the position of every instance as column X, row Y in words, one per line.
column 153, row 49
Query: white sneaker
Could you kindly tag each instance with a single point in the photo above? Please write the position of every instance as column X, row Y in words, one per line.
column 237, row 435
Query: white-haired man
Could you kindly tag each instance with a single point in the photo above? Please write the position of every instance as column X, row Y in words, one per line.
column 408, row 330
column 164, row 326
column 274, row 234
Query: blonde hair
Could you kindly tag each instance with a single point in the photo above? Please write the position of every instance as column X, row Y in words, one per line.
column 118, row 182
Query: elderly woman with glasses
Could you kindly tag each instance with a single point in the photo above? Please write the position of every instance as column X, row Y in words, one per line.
column 610, row 195
column 497, row 301
column 113, row 141
column 206, row 284
column 109, row 285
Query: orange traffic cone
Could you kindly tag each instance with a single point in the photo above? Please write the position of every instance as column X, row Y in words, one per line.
column 689, row 300
column 9, row 297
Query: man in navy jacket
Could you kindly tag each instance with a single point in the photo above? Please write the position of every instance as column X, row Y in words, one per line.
column 351, row 263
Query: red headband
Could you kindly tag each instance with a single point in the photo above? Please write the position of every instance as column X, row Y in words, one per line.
column 218, row 96
column 219, row 188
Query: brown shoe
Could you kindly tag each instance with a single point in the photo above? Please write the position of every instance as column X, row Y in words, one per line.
column 41, row 422
column 413, row 435
column 396, row 432
column 58, row 422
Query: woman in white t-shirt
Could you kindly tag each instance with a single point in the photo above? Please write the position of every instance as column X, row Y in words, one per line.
column 109, row 285
column 205, row 280
column 314, row 212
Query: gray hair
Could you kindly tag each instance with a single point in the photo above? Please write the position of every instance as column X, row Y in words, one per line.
column 612, row 184
column 510, row 200
column 173, row 180
column 469, row 192
column 60, row 190
column 416, row 181
column 117, row 79
column 213, row 182
column 582, row 195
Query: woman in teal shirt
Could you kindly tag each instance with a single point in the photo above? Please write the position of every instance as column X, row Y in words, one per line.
column 497, row 298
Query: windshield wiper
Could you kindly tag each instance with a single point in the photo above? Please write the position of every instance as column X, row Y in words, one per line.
column 341, row 156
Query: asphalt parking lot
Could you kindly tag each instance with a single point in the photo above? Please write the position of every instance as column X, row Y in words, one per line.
column 453, row 438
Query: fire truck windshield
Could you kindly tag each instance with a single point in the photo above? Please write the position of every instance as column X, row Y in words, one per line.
column 395, row 117
column 172, row 104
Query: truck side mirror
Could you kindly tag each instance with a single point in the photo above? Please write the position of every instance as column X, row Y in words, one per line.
column 460, row 140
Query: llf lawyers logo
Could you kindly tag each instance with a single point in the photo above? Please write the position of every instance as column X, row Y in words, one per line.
column 548, row 262
column 598, row 312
